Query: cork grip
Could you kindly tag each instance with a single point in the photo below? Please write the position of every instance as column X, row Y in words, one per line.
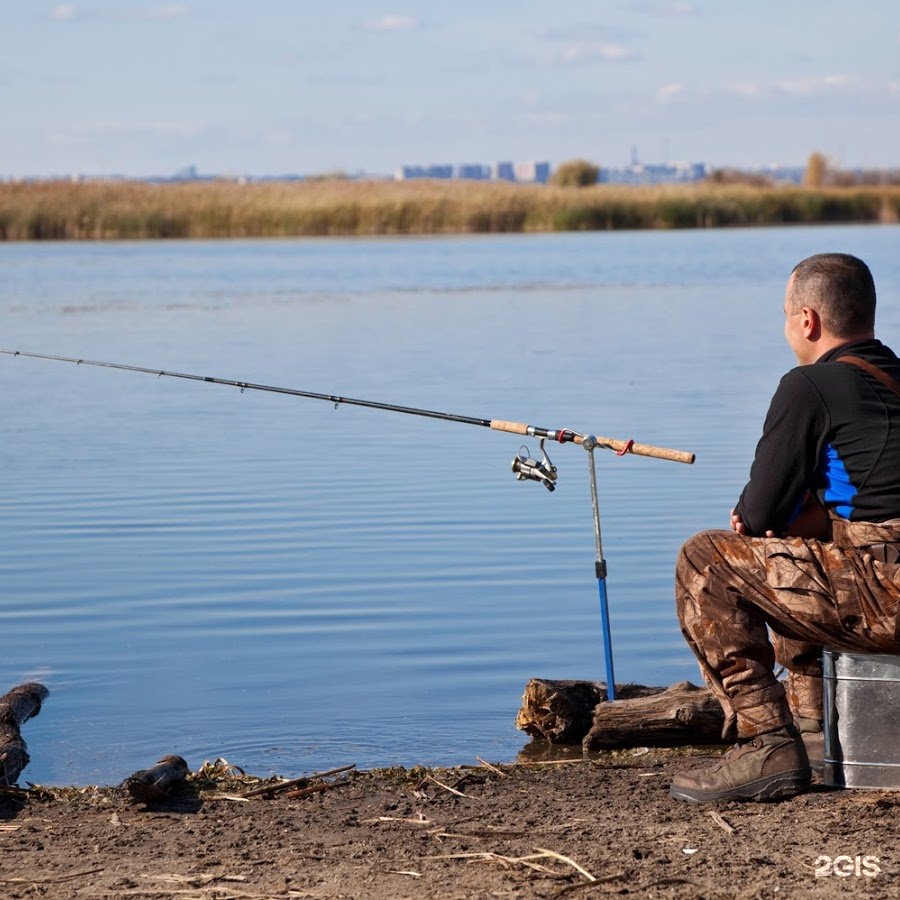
column 511, row 427
column 682, row 456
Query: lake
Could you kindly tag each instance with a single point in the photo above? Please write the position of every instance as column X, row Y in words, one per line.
column 195, row 570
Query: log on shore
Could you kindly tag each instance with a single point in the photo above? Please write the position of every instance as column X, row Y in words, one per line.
column 562, row 712
column 681, row 714
column 16, row 707
column 159, row 783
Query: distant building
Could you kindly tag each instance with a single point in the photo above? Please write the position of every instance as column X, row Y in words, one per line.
column 473, row 171
column 535, row 172
column 528, row 172
column 783, row 174
column 660, row 173
column 503, row 171
column 188, row 173
column 404, row 173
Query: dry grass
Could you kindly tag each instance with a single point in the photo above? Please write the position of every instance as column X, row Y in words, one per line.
column 105, row 210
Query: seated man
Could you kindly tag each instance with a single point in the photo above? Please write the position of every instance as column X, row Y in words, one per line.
column 815, row 541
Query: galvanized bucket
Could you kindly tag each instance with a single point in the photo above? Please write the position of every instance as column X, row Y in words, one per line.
column 861, row 712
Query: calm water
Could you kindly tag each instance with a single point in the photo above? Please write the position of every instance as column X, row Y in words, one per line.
column 194, row 570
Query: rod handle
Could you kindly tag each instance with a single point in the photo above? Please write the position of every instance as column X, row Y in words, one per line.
column 511, row 427
column 682, row 456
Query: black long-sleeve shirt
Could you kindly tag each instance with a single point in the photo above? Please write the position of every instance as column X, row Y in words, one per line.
column 833, row 430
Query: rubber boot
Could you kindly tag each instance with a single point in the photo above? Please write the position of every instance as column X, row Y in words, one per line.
column 767, row 767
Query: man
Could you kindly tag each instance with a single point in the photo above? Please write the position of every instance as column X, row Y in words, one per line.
column 815, row 541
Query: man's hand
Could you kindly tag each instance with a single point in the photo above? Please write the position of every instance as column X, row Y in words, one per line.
column 738, row 525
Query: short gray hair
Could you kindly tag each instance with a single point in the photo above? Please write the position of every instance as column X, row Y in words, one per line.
column 840, row 288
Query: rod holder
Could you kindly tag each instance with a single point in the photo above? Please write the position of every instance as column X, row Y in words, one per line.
column 590, row 443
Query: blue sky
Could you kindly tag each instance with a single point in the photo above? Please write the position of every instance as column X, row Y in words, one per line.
column 304, row 86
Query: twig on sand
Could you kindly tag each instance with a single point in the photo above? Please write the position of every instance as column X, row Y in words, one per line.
column 294, row 782
column 494, row 769
column 554, row 762
column 410, row 872
column 59, row 878
column 422, row 820
column 194, row 880
column 530, row 861
column 447, row 787
column 565, row 859
column 478, row 833
column 721, row 822
column 315, row 789
column 670, row 882
column 586, row 885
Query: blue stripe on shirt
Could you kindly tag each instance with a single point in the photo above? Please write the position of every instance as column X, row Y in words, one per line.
column 839, row 490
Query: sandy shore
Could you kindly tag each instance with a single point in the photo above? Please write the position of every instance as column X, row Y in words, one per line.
column 581, row 828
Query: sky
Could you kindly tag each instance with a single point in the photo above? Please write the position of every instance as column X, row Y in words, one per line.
column 273, row 87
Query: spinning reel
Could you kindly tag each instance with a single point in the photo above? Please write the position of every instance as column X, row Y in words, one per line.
column 528, row 469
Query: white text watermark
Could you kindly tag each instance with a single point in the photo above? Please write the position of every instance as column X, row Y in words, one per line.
column 846, row 866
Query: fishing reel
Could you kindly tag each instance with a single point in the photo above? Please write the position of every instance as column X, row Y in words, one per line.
column 528, row 469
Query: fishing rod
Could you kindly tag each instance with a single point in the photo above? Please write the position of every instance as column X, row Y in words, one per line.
column 528, row 468
column 525, row 467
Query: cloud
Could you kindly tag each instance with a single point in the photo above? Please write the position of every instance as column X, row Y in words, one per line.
column 592, row 31
column 586, row 52
column 745, row 89
column 582, row 43
column 813, row 92
column 818, row 85
column 63, row 12
column 161, row 12
column 666, row 9
column 392, row 22
column 669, row 92
column 814, row 86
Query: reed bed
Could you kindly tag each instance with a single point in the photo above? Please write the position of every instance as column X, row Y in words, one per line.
column 59, row 210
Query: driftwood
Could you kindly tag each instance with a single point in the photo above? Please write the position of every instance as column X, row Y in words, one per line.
column 159, row 783
column 17, row 707
column 298, row 783
column 681, row 714
column 562, row 712
column 569, row 712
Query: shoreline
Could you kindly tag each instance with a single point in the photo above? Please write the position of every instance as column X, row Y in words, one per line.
column 575, row 828
column 125, row 210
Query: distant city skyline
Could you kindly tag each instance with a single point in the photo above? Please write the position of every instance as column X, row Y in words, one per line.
column 149, row 88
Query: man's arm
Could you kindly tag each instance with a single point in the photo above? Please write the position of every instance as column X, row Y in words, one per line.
column 783, row 470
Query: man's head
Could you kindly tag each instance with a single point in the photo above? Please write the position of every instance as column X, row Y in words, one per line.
column 829, row 301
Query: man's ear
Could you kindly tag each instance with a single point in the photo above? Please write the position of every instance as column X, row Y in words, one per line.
column 810, row 323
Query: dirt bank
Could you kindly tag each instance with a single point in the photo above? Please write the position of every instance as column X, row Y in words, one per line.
column 584, row 828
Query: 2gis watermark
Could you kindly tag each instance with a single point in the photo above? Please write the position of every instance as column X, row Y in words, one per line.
column 843, row 866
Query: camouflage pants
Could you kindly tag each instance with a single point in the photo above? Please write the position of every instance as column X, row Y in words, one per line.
column 732, row 591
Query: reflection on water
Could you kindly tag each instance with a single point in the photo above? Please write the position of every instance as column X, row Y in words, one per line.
column 198, row 571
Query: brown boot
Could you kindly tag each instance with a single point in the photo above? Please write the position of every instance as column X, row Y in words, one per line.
column 766, row 767
column 814, row 741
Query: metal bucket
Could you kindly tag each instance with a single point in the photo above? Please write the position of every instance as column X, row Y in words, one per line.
column 861, row 712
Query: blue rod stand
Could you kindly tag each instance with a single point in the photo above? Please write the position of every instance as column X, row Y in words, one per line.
column 589, row 442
